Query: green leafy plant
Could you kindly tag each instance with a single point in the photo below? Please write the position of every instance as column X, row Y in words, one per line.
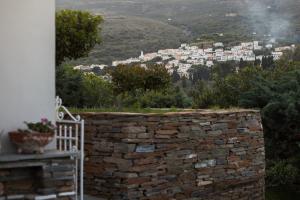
column 44, row 126
column 282, row 173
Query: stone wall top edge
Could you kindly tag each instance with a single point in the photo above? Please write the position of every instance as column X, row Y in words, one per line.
column 184, row 113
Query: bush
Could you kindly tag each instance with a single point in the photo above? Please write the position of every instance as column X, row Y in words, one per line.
column 69, row 86
column 165, row 99
column 135, row 78
column 97, row 92
column 282, row 173
column 279, row 101
column 168, row 98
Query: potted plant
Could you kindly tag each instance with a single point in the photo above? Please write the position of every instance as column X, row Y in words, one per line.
column 34, row 138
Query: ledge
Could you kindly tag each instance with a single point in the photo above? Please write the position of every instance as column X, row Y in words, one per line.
column 188, row 112
column 5, row 158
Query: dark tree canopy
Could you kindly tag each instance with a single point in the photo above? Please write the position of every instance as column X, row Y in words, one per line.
column 77, row 32
column 199, row 72
column 296, row 56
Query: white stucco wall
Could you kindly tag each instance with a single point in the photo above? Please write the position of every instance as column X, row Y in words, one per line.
column 27, row 63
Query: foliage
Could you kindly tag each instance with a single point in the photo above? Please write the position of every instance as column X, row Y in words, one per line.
column 268, row 62
column 242, row 64
column 77, row 32
column 225, row 92
column 223, row 69
column 97, row 92
column 282, row 193
column 69, row 86
column 296, row 55
column 203, row 96
column 83, row 90
column 282, row 173
column 44, row 126
column 134, row 78
column 175, row 76
column 165, row 99
column 279, row 101
column 199, row 72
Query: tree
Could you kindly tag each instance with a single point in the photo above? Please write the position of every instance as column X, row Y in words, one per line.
column 279, row 101
column 133, row 78
column 97, row 92
column 128, row 78
column 296, row 56
column 257, row 62
column 242, row 64
column 175, row 76
column 223, row 69
column 157, row 77
column 199, row 72
column 69, row 86
column 77, row 32
column 268, row 62
column 203, row 95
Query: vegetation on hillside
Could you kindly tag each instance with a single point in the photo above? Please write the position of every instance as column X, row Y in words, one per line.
column 132, row 26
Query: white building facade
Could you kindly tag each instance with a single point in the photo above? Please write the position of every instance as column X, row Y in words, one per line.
column 27, row 64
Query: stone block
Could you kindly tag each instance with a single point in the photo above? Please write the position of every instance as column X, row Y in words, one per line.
column 134, row 129
column 206, row 163
column 145, row 148
column 167, row 132
column 203, row 183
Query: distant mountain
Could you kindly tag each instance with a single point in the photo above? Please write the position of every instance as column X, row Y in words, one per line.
column 135, row 25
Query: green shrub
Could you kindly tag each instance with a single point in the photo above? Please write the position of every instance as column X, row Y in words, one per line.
column 282, row 173
column 164, row 99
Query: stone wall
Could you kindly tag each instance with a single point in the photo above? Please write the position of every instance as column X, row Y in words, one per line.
column 37, row 177
column 197, row 155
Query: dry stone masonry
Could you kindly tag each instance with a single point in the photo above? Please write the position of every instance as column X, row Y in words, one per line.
column 37, row 177
column 194, row 156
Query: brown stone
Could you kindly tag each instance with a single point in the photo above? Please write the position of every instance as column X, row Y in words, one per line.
column 166, row 132
column 138, row 181
column 134, row 129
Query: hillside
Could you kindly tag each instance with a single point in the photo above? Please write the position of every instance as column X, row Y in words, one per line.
column 125, row 37
column 155, row 24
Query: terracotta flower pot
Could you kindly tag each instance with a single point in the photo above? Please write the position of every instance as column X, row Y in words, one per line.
column 29, row 143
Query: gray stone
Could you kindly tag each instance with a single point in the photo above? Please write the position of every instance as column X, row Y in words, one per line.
column 243, row 130
column 205, row 124
column 219, row 142
column 219, row 126
column 206, row 163
column 145, row 148
column 214, row 133
column 221, row 161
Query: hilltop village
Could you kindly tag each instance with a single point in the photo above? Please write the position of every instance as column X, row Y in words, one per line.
column 187, row 56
